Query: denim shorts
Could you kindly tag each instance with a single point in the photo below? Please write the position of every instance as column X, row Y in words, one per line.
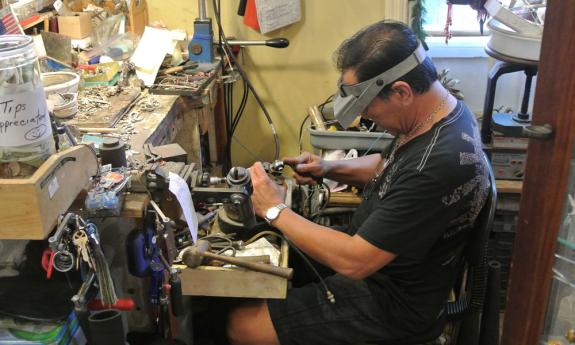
column 306, row 316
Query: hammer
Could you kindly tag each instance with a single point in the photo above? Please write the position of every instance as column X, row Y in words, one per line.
column 194, row 255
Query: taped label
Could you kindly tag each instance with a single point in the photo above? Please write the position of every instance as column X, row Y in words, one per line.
column 24, row 118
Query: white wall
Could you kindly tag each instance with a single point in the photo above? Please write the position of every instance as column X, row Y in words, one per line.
column 469, row 63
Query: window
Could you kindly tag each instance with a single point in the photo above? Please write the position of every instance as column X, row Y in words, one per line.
column 464, row 19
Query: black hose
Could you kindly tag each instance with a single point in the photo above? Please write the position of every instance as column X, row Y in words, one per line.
column 246, row 79
column 107, row 328
column 489, row 334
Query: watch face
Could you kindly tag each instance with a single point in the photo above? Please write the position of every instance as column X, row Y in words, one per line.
column 272, row 213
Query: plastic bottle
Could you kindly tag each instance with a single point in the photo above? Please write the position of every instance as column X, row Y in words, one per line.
column 25, row 128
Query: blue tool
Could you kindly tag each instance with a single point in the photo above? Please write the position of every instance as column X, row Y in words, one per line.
column 200, row 48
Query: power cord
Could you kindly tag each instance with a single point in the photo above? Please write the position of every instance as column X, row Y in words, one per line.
column 329, row 295
column 246, row 79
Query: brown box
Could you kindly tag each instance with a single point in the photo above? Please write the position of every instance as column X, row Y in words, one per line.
column 77, row 26
column 29, row 207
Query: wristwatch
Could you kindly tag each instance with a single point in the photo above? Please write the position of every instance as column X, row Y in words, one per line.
column 273, row 212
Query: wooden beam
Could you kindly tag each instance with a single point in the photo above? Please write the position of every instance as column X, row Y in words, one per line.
column 545, row 183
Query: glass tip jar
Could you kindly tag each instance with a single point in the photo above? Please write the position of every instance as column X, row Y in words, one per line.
column 26, row 139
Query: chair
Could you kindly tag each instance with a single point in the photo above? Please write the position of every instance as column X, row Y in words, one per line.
column 468, row 306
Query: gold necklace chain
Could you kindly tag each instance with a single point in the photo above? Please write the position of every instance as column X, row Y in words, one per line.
column 402, row 139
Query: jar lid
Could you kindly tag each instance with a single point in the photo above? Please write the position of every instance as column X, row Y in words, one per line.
column 14, row 44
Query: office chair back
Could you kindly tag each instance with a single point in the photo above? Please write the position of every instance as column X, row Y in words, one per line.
column 475, row 258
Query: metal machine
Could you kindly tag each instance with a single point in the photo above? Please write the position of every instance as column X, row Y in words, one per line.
column 200, row 47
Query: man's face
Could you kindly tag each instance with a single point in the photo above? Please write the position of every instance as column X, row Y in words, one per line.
column 385, row 113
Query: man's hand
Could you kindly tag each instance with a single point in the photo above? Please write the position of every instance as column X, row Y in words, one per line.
column 266, row 192
column 308, row 168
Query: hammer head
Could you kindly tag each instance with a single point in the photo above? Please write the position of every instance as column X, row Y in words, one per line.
column 194, row 255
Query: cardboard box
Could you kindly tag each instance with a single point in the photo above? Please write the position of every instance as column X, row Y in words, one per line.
column 77, row 26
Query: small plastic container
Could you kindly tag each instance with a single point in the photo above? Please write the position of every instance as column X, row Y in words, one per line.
column 25, row 127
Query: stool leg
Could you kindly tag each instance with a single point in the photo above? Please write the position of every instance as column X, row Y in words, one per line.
column 500, row 68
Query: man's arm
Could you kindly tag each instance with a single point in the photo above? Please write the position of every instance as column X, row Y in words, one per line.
column 351, row 256
column 356, row 172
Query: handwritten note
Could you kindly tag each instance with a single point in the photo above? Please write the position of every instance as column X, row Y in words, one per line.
column 24, row 118
column 180, row 189
column 275, row 14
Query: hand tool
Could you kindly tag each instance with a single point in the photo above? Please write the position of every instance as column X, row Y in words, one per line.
column 317, row 179
column 194, row 255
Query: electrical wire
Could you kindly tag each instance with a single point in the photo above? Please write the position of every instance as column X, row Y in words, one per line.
column 330, row 296
column 221, row 243
column 246, row 79
column 301, row 133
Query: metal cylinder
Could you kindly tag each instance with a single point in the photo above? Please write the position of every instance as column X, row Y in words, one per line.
column 107, row 328
column 240, row 208
column 113, row 151
column 202, row 9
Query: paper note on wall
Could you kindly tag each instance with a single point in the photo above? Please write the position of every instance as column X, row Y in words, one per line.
column 275, row 14
column 180, row 189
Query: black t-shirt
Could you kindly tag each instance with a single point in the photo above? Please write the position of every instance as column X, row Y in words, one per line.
column 421, row 209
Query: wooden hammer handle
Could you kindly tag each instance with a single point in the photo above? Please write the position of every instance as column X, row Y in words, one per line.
column 254, row 266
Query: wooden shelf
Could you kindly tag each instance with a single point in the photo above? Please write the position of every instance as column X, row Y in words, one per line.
column 509, row 186
column 35, row 20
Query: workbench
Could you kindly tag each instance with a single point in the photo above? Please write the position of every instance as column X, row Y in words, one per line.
column 183, row 120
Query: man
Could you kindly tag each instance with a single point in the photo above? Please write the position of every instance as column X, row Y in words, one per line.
column 396, row 263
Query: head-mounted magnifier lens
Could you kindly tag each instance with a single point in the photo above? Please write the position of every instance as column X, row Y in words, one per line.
column 351, row 100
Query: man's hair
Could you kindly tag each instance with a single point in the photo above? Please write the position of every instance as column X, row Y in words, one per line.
column 379, row 47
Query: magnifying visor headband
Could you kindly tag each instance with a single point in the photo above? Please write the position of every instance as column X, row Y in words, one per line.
column 351, row 100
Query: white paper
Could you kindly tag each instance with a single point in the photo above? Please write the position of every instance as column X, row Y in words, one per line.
column 275, row 14
column 261, row 247
column 58, row 7
column 180, row 189
column 150, row 53
column 24, row 117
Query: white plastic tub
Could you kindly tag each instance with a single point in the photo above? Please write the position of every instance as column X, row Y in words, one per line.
column 60, row 82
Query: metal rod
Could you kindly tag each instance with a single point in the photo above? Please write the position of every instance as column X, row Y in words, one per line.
column 246, row 43
column 202, row 9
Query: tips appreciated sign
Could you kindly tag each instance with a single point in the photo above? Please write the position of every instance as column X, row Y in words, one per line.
column 24, row 118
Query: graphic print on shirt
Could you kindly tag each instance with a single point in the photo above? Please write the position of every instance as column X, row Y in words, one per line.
column 388, row 176
column 478, row 185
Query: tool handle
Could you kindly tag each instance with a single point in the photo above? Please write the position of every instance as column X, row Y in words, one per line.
column 316, row 117
column 176, row 295
column 242, row 7
column 126, row 304
column 254, row 266
column 55, row 239
column 264, row 259
column 317, row 179
column 279, row 42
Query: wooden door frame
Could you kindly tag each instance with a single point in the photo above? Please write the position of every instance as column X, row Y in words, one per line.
column 546, row 178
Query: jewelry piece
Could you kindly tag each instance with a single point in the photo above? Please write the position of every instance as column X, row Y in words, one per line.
column 400, row 141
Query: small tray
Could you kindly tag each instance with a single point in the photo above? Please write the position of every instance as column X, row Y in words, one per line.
column 346, row 140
